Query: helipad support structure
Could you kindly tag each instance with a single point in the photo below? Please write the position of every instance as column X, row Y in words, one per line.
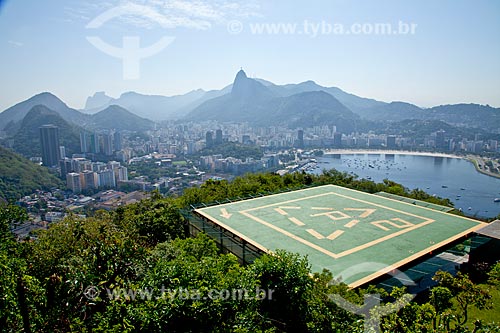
column 338, row 228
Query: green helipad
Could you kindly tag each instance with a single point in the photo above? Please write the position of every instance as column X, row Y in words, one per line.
column 338, row 228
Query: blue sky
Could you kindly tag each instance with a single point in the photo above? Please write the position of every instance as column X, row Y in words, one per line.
column 453, row 56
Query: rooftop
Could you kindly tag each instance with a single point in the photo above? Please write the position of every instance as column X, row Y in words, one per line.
column 338, row 228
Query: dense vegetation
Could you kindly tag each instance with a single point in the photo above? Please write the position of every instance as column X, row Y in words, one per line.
column 252, row 184
column 19, row 176
column 148, row 276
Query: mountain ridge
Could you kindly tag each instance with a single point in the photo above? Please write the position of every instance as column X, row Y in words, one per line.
column 251, row 101
column 181, row 107
column 18, row 111
column 26, row 139
column 107, row 119
column 154, row 107
column 12, row 118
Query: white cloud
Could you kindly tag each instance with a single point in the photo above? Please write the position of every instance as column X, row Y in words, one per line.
column 16, row 44
column 148, row 17
column 195, row 14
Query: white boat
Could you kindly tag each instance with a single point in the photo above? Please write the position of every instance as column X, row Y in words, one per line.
column 496, row 200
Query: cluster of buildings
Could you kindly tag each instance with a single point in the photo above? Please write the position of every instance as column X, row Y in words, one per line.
column 473, row 146
column 235, row 166
column 105, row 143
column 112, row 199
column 46, row 207
column 174, row 140
column 438, row 140
column 190, row 138
column 83, row 174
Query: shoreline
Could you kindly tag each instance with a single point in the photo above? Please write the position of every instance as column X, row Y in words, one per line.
column 475, row 161
column 385, row 152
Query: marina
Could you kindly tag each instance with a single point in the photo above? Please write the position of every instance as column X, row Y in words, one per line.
column 474, row 193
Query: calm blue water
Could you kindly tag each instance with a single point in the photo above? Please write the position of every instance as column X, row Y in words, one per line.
column 445, row 177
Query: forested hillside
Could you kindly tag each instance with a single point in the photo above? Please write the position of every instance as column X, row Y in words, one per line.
column 19, row 176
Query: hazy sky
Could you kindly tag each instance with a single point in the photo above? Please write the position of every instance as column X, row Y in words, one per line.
column 453, row 55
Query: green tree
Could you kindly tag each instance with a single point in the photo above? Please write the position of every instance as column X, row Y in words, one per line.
column 465, row 293
column 494, row 275
column 285, row 278
column 20, row 293
column 412, row 318
column 441, row 300
column 189, row 279
column 324, row 314
column 75, row 254
column 9, row 215
column 154, row 220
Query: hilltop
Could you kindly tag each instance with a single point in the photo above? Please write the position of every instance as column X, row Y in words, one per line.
column 27, row 137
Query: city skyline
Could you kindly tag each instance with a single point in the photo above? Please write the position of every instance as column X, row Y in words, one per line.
column 448, row 59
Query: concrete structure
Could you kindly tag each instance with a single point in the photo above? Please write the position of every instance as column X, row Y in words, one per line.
column 107, row 144
column 49, row 139
column 440, row 140
column 94, row 143
column 300, row 139
column 337, row 228
column 337, row 140
column 106, row 178
column 121, row 173
column 218, row 137
column 88, row 180
column 62, row 152
column 391, row 142
column 84, row 142
column 73, row 182
column 209, row 142
column 117, row 141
